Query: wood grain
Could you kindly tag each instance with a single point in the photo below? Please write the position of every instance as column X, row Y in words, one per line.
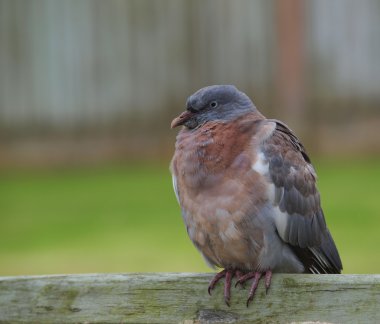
column 183, row 298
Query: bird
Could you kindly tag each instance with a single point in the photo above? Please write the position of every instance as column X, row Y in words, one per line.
column 247, row 192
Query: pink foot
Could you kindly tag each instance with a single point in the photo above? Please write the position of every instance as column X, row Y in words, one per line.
column 228, row 274
column 256, row 278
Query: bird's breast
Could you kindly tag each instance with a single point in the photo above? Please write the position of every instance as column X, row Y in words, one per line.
column 207, row 156
column 218, row 190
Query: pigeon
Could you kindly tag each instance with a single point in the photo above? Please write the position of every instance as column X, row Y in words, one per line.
column 247, row 192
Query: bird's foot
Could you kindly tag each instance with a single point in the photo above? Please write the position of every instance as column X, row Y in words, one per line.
column 256, row 278
column 228, row 274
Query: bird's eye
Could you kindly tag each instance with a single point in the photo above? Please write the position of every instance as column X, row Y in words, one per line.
column 213, row 104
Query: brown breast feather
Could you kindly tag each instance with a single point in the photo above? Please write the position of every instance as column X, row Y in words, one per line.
column 217, row 188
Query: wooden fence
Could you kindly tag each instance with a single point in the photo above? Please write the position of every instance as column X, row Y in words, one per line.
column 69, row 64
column 183, row 298
column 93, row 80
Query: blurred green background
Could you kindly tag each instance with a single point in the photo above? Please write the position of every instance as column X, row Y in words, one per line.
column 87, row 93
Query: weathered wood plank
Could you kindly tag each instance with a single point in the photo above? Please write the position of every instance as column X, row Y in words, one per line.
column 173, row 298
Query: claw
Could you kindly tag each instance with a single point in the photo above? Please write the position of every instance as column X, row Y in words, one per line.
column 228, row 274
column 241, row 279
column 227, row 287
column 214, row 281
column 244, row 278
column 239, row 274
column 268, row 278
column 255, row 283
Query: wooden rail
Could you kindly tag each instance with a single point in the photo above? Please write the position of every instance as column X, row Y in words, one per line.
column 183, row 298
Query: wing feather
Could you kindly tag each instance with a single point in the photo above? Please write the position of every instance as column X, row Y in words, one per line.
column 296, row 194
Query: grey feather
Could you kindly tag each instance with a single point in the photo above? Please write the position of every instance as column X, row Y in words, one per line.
column 297, row 196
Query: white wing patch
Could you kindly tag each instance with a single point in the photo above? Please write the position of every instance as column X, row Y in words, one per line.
column 174, row 179
column 261, row 165
column 281, row 220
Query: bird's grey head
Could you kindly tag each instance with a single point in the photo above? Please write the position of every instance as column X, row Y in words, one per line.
column 217, row 102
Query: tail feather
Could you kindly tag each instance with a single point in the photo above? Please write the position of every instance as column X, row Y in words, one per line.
column 322, row 259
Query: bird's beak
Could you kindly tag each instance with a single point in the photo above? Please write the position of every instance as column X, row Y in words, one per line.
column 181, row 119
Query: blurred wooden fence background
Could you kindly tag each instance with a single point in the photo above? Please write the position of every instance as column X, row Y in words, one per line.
column 126, row 67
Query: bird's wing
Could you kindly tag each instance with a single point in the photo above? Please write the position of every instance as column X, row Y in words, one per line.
column 298, row 215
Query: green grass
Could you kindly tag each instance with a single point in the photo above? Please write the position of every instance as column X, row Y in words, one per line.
column 126, row 219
